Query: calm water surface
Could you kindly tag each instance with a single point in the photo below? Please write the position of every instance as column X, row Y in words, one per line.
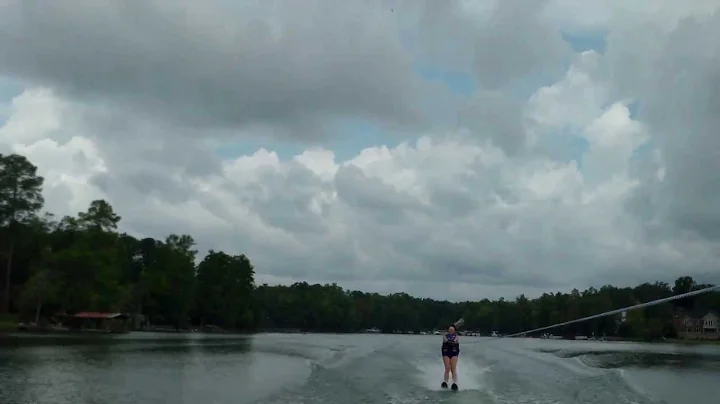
column 337, row 369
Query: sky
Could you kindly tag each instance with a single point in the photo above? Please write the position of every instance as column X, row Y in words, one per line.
column 457, row 149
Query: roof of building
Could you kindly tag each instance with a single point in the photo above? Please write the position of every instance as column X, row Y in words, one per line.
column 700, row 313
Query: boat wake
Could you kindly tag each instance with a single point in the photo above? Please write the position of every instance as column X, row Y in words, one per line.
column 470, row 374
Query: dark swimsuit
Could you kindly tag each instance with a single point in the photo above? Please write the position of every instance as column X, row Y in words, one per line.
column 450, row 349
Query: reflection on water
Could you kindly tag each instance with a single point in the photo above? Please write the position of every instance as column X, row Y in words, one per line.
column 114, row 369
column 129, row 340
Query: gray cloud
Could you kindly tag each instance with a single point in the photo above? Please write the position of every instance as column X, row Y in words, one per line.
column 372, row 196
column 288, row 66
column 678, row 83
column 497, row 116
column 284, row 200
column 500, row 41
column 516, row 42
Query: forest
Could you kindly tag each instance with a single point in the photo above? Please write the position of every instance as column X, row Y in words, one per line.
column 84, row 263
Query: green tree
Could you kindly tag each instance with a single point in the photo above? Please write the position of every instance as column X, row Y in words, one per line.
column 85, row 259
column 38, row 290
column 168, row 280
column 224, row 290
column 20, row 200
column 100, row 217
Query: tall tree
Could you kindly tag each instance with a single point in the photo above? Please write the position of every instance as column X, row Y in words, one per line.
column 168, row 280
column 225, row 287
column 20, row 200
column 85, row 260
column 99, row 216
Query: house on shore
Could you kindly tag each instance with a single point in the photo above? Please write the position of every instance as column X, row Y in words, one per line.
column 703, row 324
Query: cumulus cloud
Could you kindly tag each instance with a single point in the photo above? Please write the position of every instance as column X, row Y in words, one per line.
column 605, row 173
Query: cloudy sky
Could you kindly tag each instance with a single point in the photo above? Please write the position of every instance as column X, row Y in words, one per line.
column 450, row 149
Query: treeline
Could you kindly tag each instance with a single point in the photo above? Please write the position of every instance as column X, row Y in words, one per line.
column 83, row 263
column 330, row 308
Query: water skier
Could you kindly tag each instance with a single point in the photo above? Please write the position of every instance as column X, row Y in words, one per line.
column 450, row 351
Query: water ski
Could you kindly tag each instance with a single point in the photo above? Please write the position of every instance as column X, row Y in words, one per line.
column 454, row 387
column 443, row 385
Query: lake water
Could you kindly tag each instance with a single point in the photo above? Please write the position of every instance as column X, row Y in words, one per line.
column 339, row 369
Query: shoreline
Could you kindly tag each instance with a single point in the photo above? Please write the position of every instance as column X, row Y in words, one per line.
column 692, row 341
column 9, row 328
column 6, row 331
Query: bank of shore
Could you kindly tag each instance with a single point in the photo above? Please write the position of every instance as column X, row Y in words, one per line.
column 8, row 323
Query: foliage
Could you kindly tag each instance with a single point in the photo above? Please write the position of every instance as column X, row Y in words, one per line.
column 329, row 308
column 82, row 263
column 20, row 200
column 225, row 286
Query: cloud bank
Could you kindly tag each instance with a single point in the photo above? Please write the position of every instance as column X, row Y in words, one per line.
column 456, row 150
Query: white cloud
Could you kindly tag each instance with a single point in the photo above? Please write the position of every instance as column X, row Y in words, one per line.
column 33, row 115
column 573, row 101
column 486, row 208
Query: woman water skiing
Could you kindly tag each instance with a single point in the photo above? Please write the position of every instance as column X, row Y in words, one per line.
column 450, row 351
